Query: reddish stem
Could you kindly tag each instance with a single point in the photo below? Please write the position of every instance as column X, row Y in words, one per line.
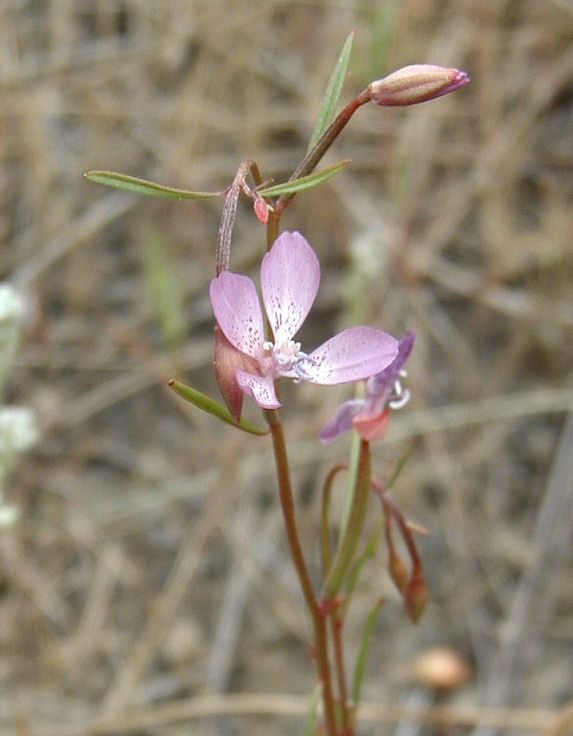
column 318, row 614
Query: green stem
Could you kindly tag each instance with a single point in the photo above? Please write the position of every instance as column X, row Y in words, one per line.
column 325, row 518
column 353, row 462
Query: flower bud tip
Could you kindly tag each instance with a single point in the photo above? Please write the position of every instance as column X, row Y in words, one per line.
column 416, row 596
column 416, row 83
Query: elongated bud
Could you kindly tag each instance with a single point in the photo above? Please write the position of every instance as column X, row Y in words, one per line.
column 398, row 571
column 227, row 359
column 416, row 83
column 416, row 596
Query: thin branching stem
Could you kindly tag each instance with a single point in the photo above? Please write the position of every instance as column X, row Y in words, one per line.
column 313, row 157
column 318, row 614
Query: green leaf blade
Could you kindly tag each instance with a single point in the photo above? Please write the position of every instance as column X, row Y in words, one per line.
column 362, row 660
column 143, row 186
column 332, row 94
column 210, row 406
column 305, row 182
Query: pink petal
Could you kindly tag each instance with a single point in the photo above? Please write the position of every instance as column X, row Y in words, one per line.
column 352, row 355
column 383, row 382
column 260, row 388
column 290, row 275
column 372, row 429
column 342, row 420
column 238, row 312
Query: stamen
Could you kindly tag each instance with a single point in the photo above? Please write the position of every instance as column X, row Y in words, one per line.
column 401, row 398
column 299, row 369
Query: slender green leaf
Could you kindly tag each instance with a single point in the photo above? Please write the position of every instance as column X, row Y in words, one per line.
column 349, row 541
column 210, row 406
column 332, row 94
column 142, row 186
column 364, row 651
column 305, row 182
column 402, row 460
column 367, row 553
column 311, row 720
column 354, row 456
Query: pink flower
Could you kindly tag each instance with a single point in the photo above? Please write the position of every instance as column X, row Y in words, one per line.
column 290, row 276
column 369, row 416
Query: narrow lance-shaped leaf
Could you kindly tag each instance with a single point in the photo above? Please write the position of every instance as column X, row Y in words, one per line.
column 325, row 518
column 210, row 406
column 143, row 186
column 305, row 182
column 364, row 651
column 332, row 94
column 402, row 460
column 367, row 554
column 349, row 542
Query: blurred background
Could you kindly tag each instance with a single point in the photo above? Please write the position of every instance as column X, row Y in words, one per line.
column 142, row 556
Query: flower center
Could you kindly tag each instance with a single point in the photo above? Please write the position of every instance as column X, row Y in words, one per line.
column 285, row 358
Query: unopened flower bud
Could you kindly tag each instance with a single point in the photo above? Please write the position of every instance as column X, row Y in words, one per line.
column 416, row 596
column 397, row 570
column 416, row 83
column 227, row 359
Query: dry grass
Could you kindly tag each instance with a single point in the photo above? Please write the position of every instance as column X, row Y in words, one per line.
column 148, row 571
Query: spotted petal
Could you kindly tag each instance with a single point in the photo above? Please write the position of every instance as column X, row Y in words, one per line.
column 290, row 275
column 238, row 312
column 352, row 355
column 260, row 388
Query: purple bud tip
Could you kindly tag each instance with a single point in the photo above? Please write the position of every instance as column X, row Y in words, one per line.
column 416, row 83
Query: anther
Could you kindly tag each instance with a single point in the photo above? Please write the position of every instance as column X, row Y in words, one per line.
column 401, row 398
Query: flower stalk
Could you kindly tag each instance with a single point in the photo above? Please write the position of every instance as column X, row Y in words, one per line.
column 318, row 617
